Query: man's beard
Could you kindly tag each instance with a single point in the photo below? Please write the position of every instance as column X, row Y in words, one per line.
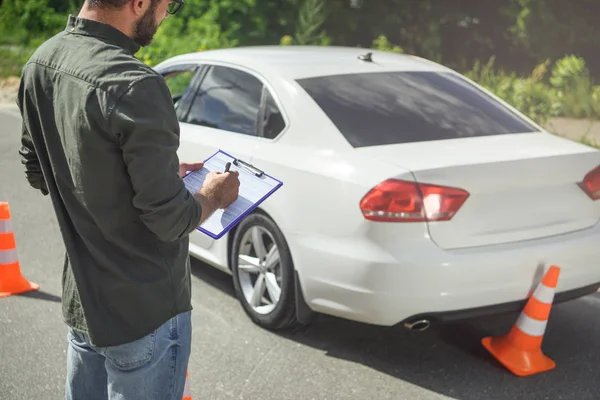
column 146, row 27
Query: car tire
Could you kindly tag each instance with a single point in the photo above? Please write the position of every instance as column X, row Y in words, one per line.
column 270, row 310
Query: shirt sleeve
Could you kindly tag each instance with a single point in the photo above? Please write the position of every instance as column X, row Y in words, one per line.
column 147, row 128
column 29, row 157
column 33, row 170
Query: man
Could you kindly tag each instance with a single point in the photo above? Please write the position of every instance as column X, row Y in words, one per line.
column 100, row 136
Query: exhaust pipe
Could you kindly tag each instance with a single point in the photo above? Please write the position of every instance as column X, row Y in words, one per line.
column 418, row 325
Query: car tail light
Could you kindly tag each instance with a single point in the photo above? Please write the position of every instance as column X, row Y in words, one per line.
column 396, row 200
column 591, row 183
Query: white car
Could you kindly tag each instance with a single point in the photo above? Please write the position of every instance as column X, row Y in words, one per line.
column 411, row 195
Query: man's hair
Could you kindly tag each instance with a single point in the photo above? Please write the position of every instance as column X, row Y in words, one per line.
column 114, row 4
column 111, row 4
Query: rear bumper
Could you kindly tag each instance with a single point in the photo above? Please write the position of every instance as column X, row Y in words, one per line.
column 384, row 284
column 512, row 307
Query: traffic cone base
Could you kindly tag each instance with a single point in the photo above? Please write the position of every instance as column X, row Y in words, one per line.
column 520, row 351
column 11, row 280
column 517, row 361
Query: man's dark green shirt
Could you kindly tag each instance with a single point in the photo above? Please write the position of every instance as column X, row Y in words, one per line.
column 100, row 136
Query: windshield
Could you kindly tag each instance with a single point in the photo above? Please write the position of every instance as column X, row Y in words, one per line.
column 382, row 108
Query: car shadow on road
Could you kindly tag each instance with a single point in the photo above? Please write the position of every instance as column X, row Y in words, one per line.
column 217, row 279
column 449, row 359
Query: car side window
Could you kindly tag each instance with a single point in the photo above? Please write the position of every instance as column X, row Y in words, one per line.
column 227, row 99
column 272, row 119
column 178, row 82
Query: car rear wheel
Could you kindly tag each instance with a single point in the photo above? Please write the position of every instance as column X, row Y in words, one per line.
column 263, row 273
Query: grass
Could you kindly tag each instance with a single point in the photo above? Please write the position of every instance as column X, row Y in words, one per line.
column 12, row 59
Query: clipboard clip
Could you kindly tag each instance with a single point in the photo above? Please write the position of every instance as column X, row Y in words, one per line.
column 239, row 163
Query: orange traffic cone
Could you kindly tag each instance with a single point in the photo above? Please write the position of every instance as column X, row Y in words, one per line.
column 520, row 350
column 187, row 392
column 11, row 280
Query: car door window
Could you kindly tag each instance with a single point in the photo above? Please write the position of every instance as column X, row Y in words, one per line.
column 179, row 80
column 272, row 119
column 228, row 99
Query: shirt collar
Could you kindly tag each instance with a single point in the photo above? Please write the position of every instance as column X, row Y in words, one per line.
column 88, row 27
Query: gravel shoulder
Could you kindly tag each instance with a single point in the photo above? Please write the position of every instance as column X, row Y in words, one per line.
column 9, row 88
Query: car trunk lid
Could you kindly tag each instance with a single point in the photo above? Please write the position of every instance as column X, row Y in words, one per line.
column 521, row 187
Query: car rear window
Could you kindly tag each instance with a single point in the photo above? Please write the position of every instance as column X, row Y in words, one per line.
column 382, row 108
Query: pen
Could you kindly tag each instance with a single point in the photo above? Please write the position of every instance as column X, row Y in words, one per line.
column 227, row 166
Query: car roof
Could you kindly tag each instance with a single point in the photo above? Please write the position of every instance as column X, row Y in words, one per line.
column 297, row 62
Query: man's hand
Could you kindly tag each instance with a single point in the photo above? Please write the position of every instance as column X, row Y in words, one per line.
column 223, row 187
column 184, row 168
column 219, row 190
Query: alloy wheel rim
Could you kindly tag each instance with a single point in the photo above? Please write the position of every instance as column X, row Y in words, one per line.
column 259, row 270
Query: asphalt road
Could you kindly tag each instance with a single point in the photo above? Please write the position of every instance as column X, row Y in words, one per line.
column 234, row 359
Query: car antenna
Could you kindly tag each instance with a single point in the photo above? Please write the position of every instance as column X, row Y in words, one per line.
column 366, row 57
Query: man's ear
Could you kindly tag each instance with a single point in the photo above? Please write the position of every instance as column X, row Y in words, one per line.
column 140, row 6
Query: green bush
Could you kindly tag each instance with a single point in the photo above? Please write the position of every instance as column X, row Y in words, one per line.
column 533, row 99
column 573, row 88
column 30, row 22
column 564, row 88
column 528, row 94
column 12, row 59
column 186, row 35
column 596, row 100
column 567, row 72
column 567, row 92
column 382, row 43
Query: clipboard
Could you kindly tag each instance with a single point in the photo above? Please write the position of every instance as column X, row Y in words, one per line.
column 255, row 187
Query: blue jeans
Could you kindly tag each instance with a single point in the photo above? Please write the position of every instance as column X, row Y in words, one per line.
column 149, row 368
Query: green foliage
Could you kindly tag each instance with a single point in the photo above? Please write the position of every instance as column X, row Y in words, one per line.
column 533, row 99
column 212, row 24
column 382, row 43
column 308, row 27
column 551, row 28
column 12, row 59
column 567, row 92
column 32, row 21
column 286, row 40
column 179, row 82
column 596, row 99
column 528, row 94
column 174, row 37
column 513, row 35
column 312, row 16
column 567, row 71
column 521, row 33
column 573, row 87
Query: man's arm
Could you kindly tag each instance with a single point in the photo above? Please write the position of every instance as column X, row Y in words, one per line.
column 29, row 157
column 146, row 126
column 33, row 170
